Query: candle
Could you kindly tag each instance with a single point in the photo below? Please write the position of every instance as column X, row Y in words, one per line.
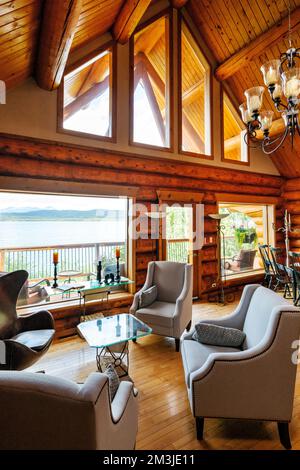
column 118, row 252
column 55, row 257
column 292, row 88
column 254, row 104
column 271, row 77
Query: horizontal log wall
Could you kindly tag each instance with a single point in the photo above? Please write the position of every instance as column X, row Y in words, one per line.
column 291, row 197
column 24, row 158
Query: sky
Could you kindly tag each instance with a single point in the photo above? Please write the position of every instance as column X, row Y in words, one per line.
column 41, row 201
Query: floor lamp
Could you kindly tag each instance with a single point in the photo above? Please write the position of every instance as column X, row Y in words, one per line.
column 220, row 236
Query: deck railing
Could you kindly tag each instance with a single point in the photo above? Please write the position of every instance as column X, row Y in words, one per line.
column 178, row 250
column 38, row 260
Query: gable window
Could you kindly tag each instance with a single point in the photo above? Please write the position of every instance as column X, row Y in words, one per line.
column 150, row 53
column 87, row 97
column 195, row 133
column 233, row 134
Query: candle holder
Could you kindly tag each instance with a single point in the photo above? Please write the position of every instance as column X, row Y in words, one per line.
column 99, row 272
column 118, row 277
column 286, row 229
column 55, row 263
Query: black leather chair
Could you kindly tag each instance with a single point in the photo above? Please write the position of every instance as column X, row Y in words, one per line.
column 25, row 338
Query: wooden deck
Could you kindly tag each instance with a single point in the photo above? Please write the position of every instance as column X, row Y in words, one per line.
column 165, row 419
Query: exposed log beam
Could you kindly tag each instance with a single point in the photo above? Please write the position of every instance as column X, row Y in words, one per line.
column 193, row 93
column 39, row 150
column 179, row 3
column 192, row 134
column 128, row 19
column 257, row 46
column 86, row 98
column 146, row 42
column 153, row 104
column 57, row 31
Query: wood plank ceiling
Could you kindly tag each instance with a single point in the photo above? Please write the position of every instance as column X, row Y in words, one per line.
column 226, row 25
column 229, row 25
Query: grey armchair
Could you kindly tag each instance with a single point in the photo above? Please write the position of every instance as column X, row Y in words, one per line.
column 256, row 382
column 41, row 412
column 171, row 313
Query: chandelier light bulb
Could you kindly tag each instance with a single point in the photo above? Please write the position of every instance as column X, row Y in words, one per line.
column 271, row 72
column 291, row 83
column 277, row 91
column 254, row 99
column 265, row 118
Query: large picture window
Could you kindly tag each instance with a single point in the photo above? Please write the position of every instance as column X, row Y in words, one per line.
column 245, row 227
column 150, row 53
column 88, row 97
column 195, row 135
column 81, row 229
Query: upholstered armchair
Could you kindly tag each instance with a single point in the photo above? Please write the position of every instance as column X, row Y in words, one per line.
column 255, row 382
column 171, row 313
column 24, row 338
column 42, row 412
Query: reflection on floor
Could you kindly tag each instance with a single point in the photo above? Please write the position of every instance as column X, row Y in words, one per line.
column 165, row 419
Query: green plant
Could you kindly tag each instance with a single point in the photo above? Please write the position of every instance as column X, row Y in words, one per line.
column 245, row 236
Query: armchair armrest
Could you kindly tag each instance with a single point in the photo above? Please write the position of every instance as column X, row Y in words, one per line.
column 41, row 320
column 148, row 283
column 125, row 393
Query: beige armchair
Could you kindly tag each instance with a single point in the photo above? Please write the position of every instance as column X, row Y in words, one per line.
column 256, row 382
column 171, row 313
column 41, row 412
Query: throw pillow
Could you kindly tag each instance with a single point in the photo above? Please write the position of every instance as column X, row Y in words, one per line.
column 148, row 296
column 113, row 379
column 218, row 335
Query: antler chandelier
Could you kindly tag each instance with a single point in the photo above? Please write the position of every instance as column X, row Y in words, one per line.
column 282, row 77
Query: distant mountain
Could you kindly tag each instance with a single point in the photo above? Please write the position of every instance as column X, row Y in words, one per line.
column 53, row 214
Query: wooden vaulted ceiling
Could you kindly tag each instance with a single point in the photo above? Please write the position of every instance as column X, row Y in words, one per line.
column 227, row 27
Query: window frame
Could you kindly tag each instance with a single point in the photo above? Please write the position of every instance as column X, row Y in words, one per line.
column 208, row 93
column 223, row 158
column 269, row 205
column 168, row 12
column 112, row 46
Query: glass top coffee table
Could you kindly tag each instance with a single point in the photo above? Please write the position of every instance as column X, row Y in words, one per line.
column 110, row 337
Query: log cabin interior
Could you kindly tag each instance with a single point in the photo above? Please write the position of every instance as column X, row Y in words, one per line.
column 149, row 210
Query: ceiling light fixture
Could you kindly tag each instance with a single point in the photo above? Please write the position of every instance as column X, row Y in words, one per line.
column 282, row 77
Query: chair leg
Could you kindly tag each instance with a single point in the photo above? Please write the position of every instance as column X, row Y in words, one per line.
column 177, row 344
column 199, row 427
column 188, row 326
column 284, row 435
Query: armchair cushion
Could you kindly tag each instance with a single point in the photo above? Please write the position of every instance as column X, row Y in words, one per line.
column 160, row 313
column 195, row 354
column 34, row 339
column 147, row 297
column 218, row 335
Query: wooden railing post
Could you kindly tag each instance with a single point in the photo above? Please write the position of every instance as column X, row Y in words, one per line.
column 2, row 260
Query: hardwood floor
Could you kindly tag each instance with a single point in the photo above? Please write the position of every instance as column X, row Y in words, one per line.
column 165, row 419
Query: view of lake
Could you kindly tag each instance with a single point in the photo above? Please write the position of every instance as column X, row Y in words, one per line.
column 15, row 234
